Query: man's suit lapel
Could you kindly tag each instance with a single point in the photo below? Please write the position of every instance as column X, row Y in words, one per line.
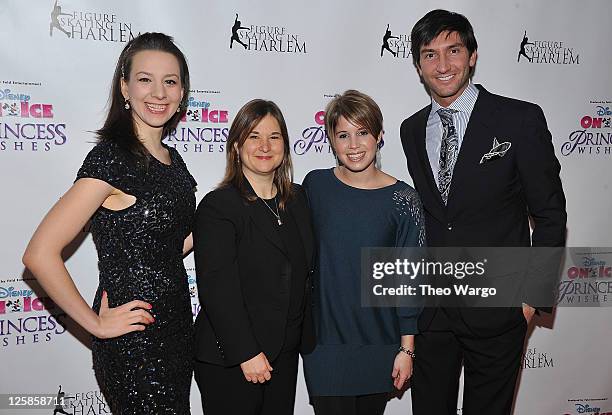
column 478, row 136
column 437, row 208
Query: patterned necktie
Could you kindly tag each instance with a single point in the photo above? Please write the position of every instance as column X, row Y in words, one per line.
column 448, row 152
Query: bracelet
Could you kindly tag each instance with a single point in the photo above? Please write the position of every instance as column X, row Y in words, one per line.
column 407, row 351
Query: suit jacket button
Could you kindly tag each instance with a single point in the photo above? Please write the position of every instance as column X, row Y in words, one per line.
column 449, row 226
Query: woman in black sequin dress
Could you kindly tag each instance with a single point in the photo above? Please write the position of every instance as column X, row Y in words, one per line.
column 141, row 201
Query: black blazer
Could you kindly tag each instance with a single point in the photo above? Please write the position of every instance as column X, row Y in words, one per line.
column 244, row 276
column 489, row 204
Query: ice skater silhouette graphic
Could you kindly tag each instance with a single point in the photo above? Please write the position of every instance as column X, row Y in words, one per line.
column 59, row 404
column 55, row 13
column 522, row 49
column 235, row 28
column 385, row 44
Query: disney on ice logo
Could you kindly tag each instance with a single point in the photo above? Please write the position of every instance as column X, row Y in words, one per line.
column 588, row 409
column 15, row 300
column 89, row 25
column 588, row 282
column 595, row 134
column 265, row 38
column 397, row 45
column 203, row 129
column 27, row 125
column 25, row 319
column 313, row 137
column 546, row 51
column 591, row 268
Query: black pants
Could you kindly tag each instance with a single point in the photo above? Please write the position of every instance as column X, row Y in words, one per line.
column 225, row 390
column 373, row 404
column 491, row 366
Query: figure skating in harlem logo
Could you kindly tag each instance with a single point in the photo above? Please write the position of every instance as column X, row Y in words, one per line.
column 539, row 51
column 522, row 52
column 90, row 402
column 235, row 35
column 55, row 24
column 99, row 26
column 385, row 44
column 398, row 44
column 266, row 37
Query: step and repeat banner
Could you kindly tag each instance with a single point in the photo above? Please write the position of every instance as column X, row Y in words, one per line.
column 57, row 60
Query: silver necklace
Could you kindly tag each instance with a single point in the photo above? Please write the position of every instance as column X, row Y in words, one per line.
column 276, row 214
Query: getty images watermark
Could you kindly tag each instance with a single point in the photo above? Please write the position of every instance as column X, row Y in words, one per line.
column 486, row 277
column 428, row 268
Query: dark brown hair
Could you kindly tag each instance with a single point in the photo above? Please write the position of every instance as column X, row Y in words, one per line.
column 245, row 121
column 119, row 125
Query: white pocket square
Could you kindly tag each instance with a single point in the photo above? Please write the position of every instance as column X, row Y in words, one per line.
column 498, row 151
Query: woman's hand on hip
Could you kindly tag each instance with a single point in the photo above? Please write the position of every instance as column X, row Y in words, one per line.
column 117, row 321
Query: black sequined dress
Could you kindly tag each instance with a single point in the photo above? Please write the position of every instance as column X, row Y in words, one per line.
column 140, row 258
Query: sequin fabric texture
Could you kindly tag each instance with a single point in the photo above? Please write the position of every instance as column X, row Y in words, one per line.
column 407, row 202
column 140, row 258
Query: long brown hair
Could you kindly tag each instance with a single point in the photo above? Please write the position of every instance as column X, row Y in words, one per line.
column 119, row 125
column 245, row 121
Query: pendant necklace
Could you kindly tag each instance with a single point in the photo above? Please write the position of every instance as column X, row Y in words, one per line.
column 276, row 214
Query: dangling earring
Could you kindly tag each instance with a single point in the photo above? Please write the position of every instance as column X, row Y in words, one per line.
column 127, row 104
column 178, row 109
column 377, row 157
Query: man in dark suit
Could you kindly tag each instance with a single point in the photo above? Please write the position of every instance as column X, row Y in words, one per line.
column 483, row 164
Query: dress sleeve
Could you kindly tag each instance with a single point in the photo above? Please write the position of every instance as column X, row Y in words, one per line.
column 410, row 233
column 181, row 162
column 109, row 163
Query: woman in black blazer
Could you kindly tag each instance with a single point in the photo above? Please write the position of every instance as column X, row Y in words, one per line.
column 253, row 248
